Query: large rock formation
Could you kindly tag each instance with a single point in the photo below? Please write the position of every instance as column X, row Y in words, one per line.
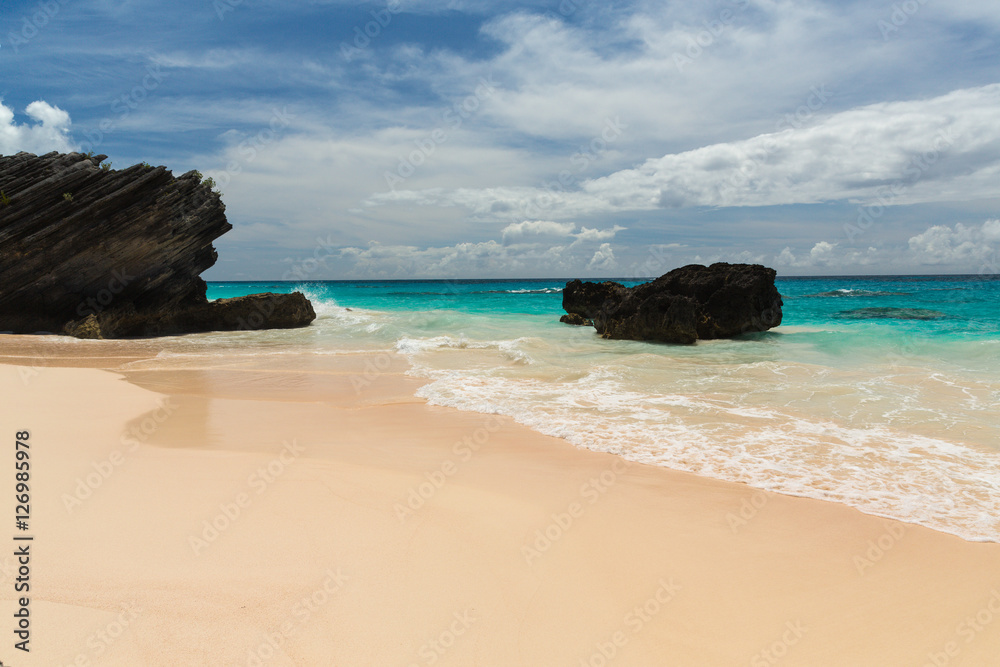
column 98, row 252
column 585, row 299
column 692, row 302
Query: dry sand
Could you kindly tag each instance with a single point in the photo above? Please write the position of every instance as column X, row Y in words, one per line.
column 246, row 517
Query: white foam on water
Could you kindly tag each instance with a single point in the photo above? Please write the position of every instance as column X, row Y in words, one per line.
column 328, row 311
column 714, row 425
column 543, row 290
column 508, row 349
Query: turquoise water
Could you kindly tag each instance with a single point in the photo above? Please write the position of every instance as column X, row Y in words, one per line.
column 881, row 393
column 959, row 306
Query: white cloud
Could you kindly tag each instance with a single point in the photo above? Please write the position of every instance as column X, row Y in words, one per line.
column 903, row 152
column 991, row 231
column 530, row 247
column 958, row 248
column 603, row 259
column 587, row 234
column 542, row 169
column 786, row 258
column 480, row 258
column 519, row 230
column 50, row 132
column 822, row 252
column 941, row 149
column 958, row 245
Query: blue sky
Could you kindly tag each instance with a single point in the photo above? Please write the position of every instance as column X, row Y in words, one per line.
column 554, row 139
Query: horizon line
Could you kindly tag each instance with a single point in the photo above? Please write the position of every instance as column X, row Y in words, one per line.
column 615, row 278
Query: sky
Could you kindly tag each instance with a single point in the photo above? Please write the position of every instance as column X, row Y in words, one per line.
column 499, row 139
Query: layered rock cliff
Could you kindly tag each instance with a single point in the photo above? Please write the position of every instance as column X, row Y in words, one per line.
column 690, row 303
column 99, row 252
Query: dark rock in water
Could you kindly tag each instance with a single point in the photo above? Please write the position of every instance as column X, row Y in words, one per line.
column 577, row 319
column 242, row 313
column 97, row 252
column 690, row 303
column 891, row 314
column 585, row 299
column 254, row 311
column 650, row 315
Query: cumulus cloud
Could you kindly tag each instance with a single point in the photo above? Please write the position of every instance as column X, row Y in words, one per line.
column 953, row 248
column 520, row 230
column 587, row 234
column 480, row 258
column 49, row 132
column 960, row 244
column 822, row 252
column 538, row 247
column 523, row 231
column 603, row 259
column 827, row 257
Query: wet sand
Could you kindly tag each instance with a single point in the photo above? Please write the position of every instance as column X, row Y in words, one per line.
column 314, row 513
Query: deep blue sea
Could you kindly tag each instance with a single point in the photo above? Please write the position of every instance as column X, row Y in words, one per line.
column 878, row 392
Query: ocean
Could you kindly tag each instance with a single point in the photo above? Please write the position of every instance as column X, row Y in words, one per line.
column 877, row 392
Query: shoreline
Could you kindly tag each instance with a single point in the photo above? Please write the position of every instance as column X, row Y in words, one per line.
column 229, row 514
column 365, row 367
